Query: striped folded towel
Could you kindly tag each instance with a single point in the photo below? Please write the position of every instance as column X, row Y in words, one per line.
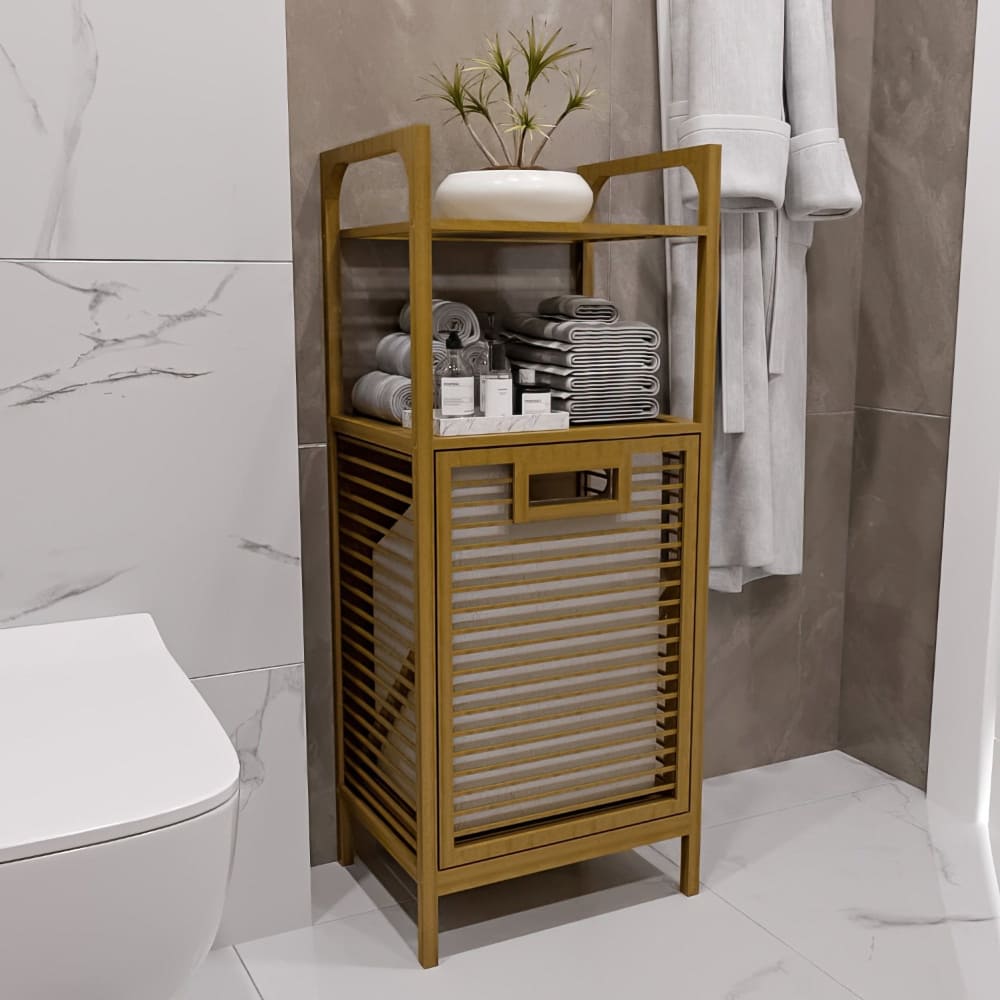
column 583, row 331
column 591, row 359
column 579, row 307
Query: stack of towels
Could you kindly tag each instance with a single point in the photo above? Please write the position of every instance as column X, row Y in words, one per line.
column 387, row 392
column 599, row 368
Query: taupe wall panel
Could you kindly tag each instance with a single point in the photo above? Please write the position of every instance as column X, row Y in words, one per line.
column 774, row 676
column 915, row 197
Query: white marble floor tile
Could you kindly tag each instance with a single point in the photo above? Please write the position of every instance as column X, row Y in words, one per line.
column 220, row 977
column 339, row 892
column 550, row 898
column 147, row 428
column 897, row 798
column 263, row 711
column 152, row 137
column 781, row 786
column 698, row 949
column 892, row 911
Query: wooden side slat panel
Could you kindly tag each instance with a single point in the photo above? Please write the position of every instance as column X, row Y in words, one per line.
column 376, row 633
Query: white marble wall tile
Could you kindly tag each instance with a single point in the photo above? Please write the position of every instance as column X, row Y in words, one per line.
column 147, row 441
column 263, row 711
column 144, row 130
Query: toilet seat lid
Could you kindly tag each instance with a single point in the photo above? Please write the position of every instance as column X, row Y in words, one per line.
column 102, row 736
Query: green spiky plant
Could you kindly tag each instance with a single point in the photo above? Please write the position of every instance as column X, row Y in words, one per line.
column 487, row 89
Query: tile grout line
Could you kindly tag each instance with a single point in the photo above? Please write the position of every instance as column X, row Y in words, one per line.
column 247, row 670
column 782, row 941
column 137, row 260
column 798, row 805
column 253, row 982
column 375, row 908
column 364, row 913
column 903, row 413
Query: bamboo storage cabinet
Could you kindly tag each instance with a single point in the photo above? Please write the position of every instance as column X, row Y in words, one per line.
column 519, row 618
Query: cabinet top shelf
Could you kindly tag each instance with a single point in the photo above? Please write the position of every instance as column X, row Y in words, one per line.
column 489, row 231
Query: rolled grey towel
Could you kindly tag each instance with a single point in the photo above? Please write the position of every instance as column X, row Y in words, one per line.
column 579, row 307
column 478, row 356
column 449, row 317
column 381, row 395
column 392, row 355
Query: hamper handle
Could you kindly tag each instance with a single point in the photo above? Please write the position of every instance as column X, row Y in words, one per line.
column 573, row 482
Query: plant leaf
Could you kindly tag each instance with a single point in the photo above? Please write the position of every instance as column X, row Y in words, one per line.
column 540, row 55
column 498, row 62
column 452, row 90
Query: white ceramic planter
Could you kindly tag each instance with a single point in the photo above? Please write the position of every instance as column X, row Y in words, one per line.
column 529, row 195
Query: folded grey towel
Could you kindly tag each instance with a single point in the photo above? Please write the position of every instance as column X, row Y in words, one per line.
column 583, row 331
column 579, row 307
column 582, row 411
column 392, row 355
column 582, row 383
column 449, row 317
column 610, row 363
column 381, row 395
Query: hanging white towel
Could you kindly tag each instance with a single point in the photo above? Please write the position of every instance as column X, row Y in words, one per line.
column 449, row 317
column 378, row 394
column 680, row 194
column 821, row 182
column 735, row 97
column 759, row 462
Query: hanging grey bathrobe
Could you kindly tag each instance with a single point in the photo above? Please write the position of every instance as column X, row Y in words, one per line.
column 757, row 77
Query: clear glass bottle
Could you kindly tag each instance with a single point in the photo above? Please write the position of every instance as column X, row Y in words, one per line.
column 456, row 384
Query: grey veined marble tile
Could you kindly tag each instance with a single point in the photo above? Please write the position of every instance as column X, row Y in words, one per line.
column 147, row 428
column 263, row 711
column 160, row 136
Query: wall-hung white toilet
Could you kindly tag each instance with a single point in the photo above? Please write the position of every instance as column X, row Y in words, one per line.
column 119, row 794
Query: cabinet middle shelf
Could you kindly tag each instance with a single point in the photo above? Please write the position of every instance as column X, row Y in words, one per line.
column 402, row 440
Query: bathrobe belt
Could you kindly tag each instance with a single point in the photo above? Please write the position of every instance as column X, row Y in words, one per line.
column 764, row 241
column 731, row 318
column 787, row 285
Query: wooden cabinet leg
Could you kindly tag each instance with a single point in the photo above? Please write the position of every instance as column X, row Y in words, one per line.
column 691, row 863
column 345, row 834
column 427, row 927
